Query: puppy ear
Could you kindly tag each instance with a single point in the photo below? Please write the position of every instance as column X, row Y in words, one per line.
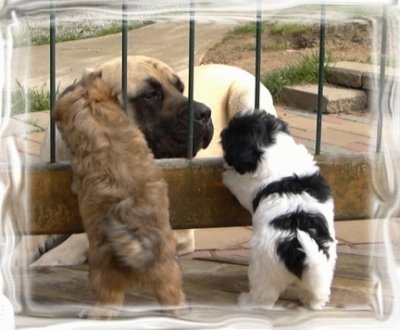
column 274, row 125
column 87, row 71
column 241, row 150
column 90, row 74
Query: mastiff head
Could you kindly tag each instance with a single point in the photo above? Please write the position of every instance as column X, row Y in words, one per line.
column 157, row 106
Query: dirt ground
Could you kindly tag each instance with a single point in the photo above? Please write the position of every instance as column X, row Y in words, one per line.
column 350, row 41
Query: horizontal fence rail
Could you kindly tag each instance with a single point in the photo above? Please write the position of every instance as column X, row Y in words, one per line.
column 198, row 198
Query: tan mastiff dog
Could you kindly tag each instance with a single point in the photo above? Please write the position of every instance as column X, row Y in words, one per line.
column 155, row 102
column 223, row 88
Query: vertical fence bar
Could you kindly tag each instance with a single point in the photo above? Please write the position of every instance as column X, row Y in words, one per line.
column 124, row 51
column 381, row 80
column 191, row 83
column 53, row 90
column 320, row 99
column 258, row 55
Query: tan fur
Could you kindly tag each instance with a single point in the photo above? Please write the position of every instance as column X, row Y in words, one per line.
column 226, row 90
column 139, row 69
column 123, row 198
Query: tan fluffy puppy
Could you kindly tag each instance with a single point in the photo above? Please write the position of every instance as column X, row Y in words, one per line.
column 123, row 198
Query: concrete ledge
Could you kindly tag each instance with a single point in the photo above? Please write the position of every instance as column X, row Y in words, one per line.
column 198, row 198
column 335, row 100
column 347, row 74
column 357, row 75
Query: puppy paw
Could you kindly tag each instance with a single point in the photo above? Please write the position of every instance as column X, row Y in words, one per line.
column 185, row 241
column 22, row 258
column 177, row 311
column 73, row 251
column 312, row 302
column 55, row 258
column 27, row 250
column 316, row 305
column 97, row 313
column 228, row 175
column 245, row 300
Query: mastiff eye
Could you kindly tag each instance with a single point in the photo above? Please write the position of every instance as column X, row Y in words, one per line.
column 149, row 95
column 181, row 87
column 152, row 95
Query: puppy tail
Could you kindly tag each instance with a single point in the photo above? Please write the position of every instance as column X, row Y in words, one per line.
column 136, row 248
column 318, row 275
column 314, row 255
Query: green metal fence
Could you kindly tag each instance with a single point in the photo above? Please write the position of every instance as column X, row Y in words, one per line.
column 191, row 54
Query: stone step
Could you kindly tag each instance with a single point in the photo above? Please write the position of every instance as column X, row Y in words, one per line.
column 335, row 100
column 357, row 75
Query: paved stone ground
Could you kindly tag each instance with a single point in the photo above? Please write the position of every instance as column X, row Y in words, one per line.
column 341, row 133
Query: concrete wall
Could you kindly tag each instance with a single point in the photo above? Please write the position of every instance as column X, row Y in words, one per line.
column 198, row 199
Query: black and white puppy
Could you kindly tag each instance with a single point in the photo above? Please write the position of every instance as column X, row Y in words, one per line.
column 278, row 181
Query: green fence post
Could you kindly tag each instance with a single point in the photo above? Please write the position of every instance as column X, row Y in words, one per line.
column 124, row 63
column 53, row 89
column 191, row 83
column 320, row 99
column 258, row 55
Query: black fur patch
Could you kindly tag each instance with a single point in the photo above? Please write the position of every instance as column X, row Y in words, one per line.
column 291, row 253
column 247, row 133
column 312, row 223
column 290, row 250
column 315, row 185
